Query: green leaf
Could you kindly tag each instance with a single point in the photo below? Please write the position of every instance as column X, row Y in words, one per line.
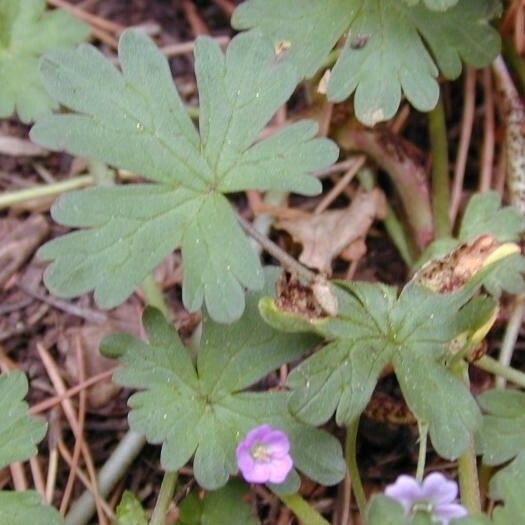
column 508, row 485
column 391, row 47
column 226, row 505
column 485, row 216
column 26, row 33
column 385, row 511
column 19, row 434
column 374, row 328
column 136, row 120
column 26, row 508
column 130, row 511
column 203, row 409
column 502, row 434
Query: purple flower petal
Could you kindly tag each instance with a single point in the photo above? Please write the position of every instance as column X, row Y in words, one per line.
column 406, row 490
column 257, row 434
column 281, row 469
column 277, row 444
column 449, row 512
column 260, row 473
column 438, row 489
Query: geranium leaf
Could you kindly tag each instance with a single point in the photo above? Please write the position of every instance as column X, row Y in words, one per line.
column 484, row 215
column 226, row 505
column 391, row 47
column 385, row 511
column 508, row 486
column 19, row 434
column 502, row 435
column 26, row 33
column 26, row 507
column 203, row 409
column 375, row 327
column 136, row 120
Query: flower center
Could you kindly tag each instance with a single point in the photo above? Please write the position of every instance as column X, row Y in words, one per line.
column 260, row 453
column 422, row 506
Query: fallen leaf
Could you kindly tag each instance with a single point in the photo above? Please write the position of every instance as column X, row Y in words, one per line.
column 125, row 318
column 18, row 241
column 17, row 147
column 325, row 235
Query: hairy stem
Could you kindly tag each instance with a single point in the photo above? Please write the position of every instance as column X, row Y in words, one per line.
column 495, row 367
column 467, row 465
column 468, row 479
column 166, row 492
column 422, row 456
column 440, row 178
column 351, row 461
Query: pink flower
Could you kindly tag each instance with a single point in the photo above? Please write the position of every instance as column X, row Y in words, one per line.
column 436, row 496
column 263, row 455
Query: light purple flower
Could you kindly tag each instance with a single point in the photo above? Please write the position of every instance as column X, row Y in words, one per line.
column 263, row 455
column 435, row 496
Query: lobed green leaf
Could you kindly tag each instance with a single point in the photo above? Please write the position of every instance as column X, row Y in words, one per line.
column 390, row 48
column 19, row 434
column 27, row 31
column 135, row 120
column 203, row 410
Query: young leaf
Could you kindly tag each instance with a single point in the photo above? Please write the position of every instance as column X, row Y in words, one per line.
column 18, row 433
column 27, row 508
column 225, row 505
column 136, row 120
column 26, row 33
column 130, row 511
column 203, row 409
column 485, row 216
column 391, row 47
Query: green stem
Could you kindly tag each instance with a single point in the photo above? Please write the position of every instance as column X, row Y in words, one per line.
column 440, row 178
column 353, row 469
column 422, row 456
column 303, row 510
column 468, row 479
column 393, row 225
column 167, row 489
column 467, row 465
column 494, row 367
column 153, row 296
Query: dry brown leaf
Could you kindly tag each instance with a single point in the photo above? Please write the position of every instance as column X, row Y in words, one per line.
column 18, row 241
column 125, row 318
column 16, row 147
column 324, row 236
